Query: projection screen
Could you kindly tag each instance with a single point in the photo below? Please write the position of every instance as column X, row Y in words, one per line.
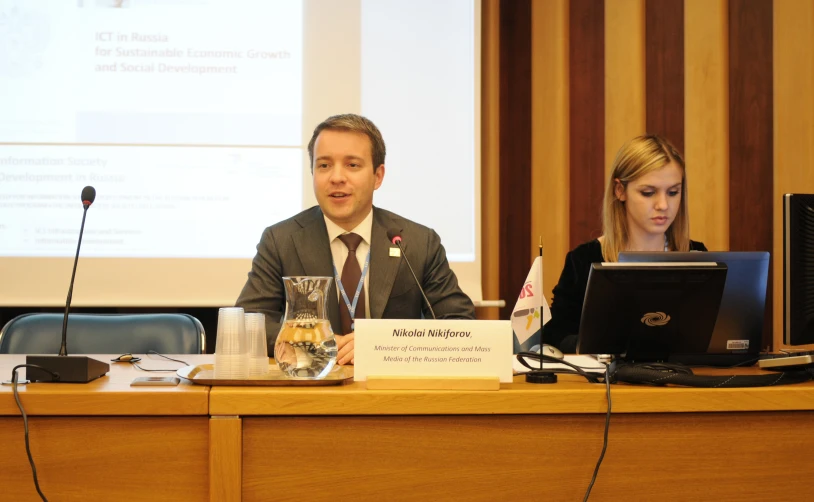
column 191, row 119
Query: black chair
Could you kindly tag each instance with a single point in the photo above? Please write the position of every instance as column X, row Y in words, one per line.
column 41, row 333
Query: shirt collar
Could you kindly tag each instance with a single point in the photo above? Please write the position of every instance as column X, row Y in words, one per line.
column 364, row 229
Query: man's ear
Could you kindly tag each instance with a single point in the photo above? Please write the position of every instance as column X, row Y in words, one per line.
column 619, row 189
column 378, row 173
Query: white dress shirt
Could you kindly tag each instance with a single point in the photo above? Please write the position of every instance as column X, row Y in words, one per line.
column 339, row 252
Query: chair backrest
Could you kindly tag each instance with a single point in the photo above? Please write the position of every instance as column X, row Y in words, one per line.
column 41, row 333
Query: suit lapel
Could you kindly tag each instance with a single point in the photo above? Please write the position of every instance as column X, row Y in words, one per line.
column 383, row 267
column 314, row 252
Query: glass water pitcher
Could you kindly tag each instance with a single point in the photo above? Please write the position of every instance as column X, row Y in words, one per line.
column 306, row 346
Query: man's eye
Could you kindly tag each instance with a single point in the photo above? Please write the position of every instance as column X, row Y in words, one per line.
column 354, row 165
column 322, row 166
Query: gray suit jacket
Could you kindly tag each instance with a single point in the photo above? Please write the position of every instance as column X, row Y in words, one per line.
column 299, row 246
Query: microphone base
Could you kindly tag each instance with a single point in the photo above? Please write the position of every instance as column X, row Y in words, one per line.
column 71, row 369
column 541, row 376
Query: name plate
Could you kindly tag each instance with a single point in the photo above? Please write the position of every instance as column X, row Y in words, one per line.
column 429, row 348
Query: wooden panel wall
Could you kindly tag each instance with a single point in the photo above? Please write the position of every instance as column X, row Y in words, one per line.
column 706, row 125
column 586, row 127
column 729, row 82
column 490, row 155
column 750, row 129
column 515, row 146
column 664, row 56
column 550, row 178
column 624, row 76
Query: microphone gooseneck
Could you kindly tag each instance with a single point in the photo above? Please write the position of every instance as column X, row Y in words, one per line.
column 88, row 196
column 394, row 235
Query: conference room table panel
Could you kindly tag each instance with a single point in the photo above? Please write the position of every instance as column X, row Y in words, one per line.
column 91, row 458
column 537, row 442
column 686, row 457
column 105, row 440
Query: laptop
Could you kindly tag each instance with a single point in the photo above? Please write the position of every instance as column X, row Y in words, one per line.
column 647, row 312
column 738, row 333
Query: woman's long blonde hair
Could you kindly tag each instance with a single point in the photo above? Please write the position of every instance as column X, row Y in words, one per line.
column 637, row 157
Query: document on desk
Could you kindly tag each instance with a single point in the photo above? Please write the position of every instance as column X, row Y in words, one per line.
column 588, row 363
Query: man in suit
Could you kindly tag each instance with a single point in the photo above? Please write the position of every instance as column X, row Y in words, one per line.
column 347, row 164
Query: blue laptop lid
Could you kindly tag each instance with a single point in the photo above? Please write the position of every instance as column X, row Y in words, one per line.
column 740, row 324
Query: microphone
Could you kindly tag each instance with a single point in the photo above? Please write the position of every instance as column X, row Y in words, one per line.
column 394, row 234
column 75, row 369
column 88, row 196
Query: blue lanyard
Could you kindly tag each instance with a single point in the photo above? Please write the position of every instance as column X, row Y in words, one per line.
column 352, row 306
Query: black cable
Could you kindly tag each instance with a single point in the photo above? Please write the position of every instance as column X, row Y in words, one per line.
column 605, row 441
column 748, row 362
column 168, row 358
column 129, row 358
column 670, row 374
column 420, row 289
column 593, row 379
column 25, row 418
column 160, row 355
column 666, row 367
column 577, row 370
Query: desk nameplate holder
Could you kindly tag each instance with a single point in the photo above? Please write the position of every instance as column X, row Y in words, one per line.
column 375, row 382
column 426, row 354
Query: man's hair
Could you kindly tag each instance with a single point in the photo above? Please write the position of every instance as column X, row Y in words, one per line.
column 352, row 123
column 637, row 157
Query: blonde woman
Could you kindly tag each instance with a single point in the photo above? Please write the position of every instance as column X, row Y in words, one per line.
column 645, row 209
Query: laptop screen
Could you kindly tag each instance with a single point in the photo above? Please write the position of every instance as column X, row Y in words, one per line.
column 647, row 312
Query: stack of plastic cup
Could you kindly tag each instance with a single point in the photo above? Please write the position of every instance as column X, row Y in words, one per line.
column 258, row 347
column 232, row 346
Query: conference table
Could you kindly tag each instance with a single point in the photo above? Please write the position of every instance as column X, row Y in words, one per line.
column 106, row 440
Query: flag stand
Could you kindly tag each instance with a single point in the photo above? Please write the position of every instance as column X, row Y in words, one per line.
column 541, row 375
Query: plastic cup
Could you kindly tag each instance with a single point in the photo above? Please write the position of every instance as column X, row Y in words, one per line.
column 231, row 347
column 258, row 346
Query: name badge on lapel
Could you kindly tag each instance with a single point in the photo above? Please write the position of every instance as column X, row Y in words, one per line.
column 395, row 252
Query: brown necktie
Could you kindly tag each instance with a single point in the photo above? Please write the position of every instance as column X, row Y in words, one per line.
column 351, row 274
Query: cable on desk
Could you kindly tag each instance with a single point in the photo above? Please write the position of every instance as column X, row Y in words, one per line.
column 130, row 358
column 523, row 356
column 663, row 374
column 14, row 379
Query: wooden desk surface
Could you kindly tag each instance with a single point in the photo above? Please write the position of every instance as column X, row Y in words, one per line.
column 571, row 395
column 110, row 394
